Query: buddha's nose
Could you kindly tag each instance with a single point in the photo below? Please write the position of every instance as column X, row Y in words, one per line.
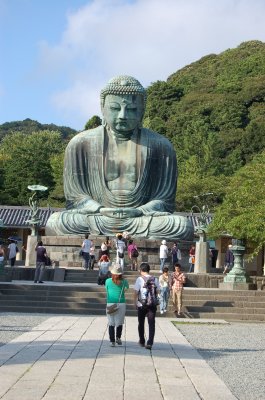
column 122, row 113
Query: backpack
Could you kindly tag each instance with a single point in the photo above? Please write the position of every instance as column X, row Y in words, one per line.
column 134, row 253
column 150, row 297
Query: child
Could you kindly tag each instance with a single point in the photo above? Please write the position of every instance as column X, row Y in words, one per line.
column 164, row 290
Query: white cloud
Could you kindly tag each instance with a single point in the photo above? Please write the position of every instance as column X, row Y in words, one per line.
column 148, row 39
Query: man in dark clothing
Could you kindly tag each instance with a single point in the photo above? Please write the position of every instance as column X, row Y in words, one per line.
column 148, row 311
column 40, row 262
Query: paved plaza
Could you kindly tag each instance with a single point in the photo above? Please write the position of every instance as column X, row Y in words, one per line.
column 69, row 357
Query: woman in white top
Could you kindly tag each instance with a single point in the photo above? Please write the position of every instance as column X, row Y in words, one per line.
column 120, row 245
column 163, row 255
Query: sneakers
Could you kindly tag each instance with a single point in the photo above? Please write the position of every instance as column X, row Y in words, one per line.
column 148, row 347
column 141, row 344
column 118, row 341
column 112, row 344
column 162, row 312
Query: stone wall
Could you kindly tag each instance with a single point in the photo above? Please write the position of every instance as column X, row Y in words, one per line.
column 65, row 250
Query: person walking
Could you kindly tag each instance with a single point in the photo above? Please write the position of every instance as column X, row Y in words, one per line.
column 164, row 290
column 115, row 288
column 175, row 254
column 12, row 252
column 192, row 258
column 163, row 254
column 92, row 259
column 120, row 246
column 133, row 254
column 146, row 289
column 41, row 258
column 86, row 251
column 178, row 279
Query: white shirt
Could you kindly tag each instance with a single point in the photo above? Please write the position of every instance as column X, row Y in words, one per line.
column 92, row 249
column 86, row 246
column 163, row 251
column 12, row 250
column 120, row 246
column 139, row 287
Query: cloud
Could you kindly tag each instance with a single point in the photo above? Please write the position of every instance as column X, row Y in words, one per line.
column 148, row 39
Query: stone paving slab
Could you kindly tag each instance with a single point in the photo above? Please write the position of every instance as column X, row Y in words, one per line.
column 69, row 357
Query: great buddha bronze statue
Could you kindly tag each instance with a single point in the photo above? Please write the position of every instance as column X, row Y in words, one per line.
column 120, row 177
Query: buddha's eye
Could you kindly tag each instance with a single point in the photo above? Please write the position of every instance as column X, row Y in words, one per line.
column 115, row 108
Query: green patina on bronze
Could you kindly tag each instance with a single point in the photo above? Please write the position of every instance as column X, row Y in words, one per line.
column 120, row 176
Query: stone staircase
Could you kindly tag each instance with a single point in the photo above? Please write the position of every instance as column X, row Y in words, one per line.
column 90, row 299
column 240, row 305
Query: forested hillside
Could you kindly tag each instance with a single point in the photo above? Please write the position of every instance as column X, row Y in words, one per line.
column 29, row 126
column 213, row 111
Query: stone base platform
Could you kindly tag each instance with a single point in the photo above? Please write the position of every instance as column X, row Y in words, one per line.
column 237, row 286
column 65, row 250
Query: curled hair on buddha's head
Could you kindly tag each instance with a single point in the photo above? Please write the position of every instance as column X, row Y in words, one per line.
column 120, row 85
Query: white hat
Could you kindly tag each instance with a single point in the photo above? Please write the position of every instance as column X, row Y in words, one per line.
column 116, row 270
column 164, row 242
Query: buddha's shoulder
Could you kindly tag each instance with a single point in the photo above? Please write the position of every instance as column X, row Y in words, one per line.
column 90, row 134
column 156, row 137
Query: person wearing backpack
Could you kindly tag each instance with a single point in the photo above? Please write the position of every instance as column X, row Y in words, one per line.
column 133, row 255
column 146, row 290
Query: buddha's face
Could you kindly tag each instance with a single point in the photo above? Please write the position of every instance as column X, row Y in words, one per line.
column 123, row 113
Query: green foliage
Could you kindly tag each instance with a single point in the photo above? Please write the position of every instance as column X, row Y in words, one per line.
column 56, row 198
column 25, row 160
column 242, row 213
column 213, row 112
column 93, row 122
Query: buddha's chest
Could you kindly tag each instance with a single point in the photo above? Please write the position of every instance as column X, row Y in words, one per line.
column 120, row 165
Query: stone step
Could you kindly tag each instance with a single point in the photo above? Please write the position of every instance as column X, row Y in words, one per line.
column 227, row 316
column 230, row 310
column 91, row 300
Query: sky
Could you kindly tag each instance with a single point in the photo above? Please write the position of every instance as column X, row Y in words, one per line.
column 56, row 55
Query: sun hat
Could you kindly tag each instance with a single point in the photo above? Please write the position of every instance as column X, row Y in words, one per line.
column 116, row 270
column 163, row 242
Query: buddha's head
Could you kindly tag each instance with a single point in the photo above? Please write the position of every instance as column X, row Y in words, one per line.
column 123, row 103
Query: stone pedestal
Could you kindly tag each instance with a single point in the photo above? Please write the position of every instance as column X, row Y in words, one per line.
column 31, row 253
column 59, row 274
column 65, row 250
column 237, row 286
column 202, row 262
column 237, row 279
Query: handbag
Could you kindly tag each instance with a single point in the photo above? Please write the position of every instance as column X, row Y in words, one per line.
column 120, row 255
column 115, row 306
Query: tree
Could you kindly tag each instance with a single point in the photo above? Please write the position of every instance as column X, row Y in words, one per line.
column 56, row 198
column 27, row 162
column 93, row 122
column 242, row 213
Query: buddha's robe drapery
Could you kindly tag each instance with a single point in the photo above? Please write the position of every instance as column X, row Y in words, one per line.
column 86, row 190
